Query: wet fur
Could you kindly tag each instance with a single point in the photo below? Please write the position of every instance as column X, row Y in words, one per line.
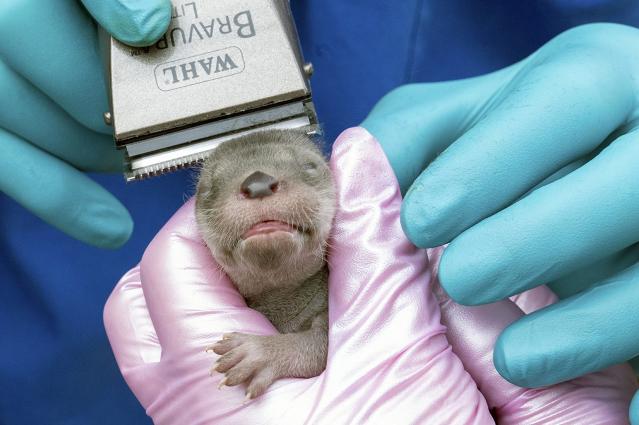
column 284, row 277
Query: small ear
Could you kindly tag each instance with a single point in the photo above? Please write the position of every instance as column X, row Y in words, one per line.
column 204, row 178
column 316, row 138
column 320, row 143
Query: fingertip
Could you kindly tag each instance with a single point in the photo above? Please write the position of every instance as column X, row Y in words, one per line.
column 634, row 410
column 136, row 23
column 118, row 302
column 433, row 211
column 148, row 24
column 522, row 356
column 420, row 221
column 477, row 266
column 458, row 293
column 108, row 225
column 461, row 278
column 508, row 361
column 412, row 222
column 117, row 231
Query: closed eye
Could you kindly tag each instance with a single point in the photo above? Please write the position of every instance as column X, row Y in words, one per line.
column 310, row 166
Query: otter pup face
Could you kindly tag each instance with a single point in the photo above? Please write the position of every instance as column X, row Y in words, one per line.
column 264, row 205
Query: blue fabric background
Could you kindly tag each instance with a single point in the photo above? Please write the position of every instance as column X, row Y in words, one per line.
column 56, row 366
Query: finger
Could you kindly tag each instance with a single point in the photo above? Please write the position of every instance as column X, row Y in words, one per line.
column 581, row 334
column 132, row 337
column 560, row 228
column 596, row 272
column 634, row 410
column 61, row 195
column 364, row 236
column 58, row 55
column 384, row 328
column 134, row 22
column 596, row 399
column 416, row 122
column 550, row 114
column 191, row 301
column 27, row 112
column 614, row 385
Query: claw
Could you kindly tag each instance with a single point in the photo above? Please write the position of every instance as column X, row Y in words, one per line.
column 222, row 383
column 248, row 398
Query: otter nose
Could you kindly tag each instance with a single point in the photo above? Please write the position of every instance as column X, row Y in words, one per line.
column 259, row 185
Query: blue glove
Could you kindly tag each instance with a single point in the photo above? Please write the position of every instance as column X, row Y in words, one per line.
column 51, row 106
column 532, row 174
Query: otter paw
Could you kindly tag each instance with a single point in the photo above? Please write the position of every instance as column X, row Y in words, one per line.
column 247, row 358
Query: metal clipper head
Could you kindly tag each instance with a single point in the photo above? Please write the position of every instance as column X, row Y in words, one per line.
column 223, row 69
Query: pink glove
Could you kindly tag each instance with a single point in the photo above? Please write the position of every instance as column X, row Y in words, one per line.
column 389, row 359
column 598, row 398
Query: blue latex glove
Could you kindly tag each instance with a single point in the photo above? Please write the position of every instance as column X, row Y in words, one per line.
column 533, row 173
column 52, row 99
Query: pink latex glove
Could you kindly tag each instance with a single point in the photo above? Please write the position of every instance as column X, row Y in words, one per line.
column 389, row 358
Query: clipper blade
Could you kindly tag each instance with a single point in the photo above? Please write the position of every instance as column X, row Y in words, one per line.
column 189, row 155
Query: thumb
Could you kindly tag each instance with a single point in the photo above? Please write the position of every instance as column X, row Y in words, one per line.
column 134, row 22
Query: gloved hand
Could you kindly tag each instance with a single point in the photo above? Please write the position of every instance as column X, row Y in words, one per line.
column 389, row 360
column 53, row 99
column 532, row 173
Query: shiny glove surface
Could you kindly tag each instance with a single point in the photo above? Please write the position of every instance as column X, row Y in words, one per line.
column 52, row 103
column 531, row 174
column 389, row 359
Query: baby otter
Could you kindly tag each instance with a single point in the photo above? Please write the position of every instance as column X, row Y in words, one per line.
column 264, row 205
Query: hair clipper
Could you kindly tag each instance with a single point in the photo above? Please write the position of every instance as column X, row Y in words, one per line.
column 223, row 69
